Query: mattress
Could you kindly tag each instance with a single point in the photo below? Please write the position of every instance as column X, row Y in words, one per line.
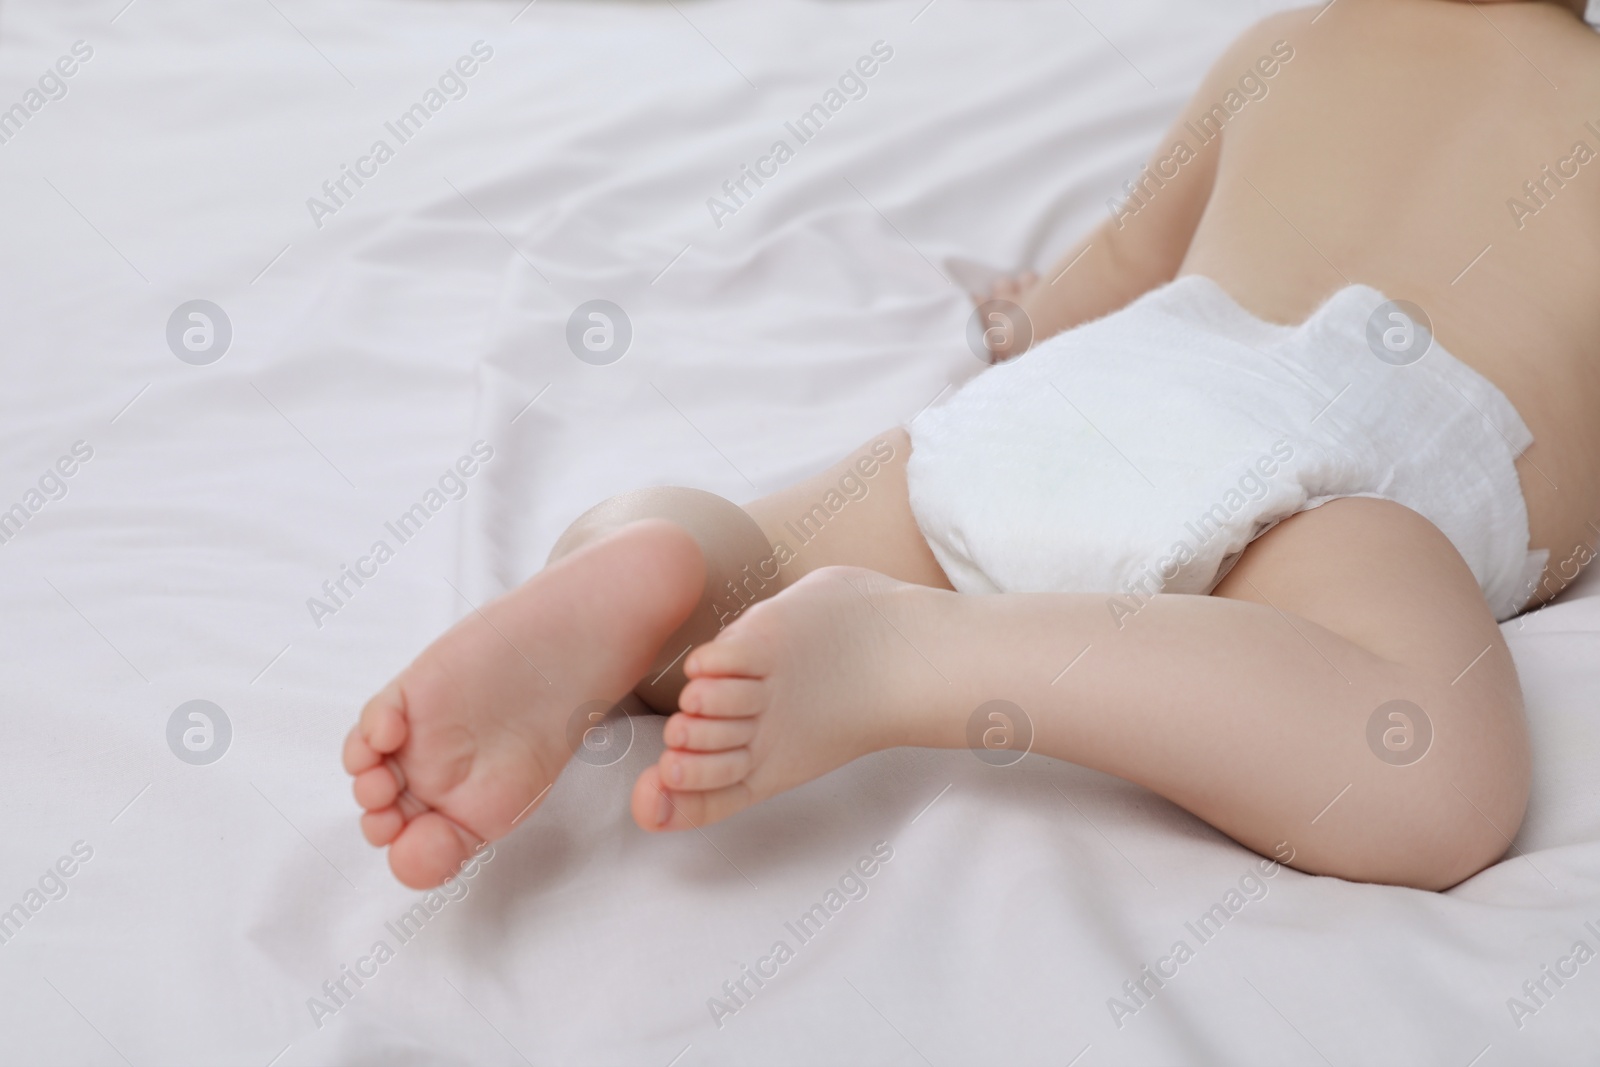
column 259, row 343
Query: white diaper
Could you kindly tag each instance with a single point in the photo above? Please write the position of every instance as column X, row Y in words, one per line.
column 1142, row 452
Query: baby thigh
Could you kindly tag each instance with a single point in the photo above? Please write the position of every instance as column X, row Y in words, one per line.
column 1381, row 577
column 856, row 513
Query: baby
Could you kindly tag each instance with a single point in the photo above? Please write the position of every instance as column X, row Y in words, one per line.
column 1315, row 408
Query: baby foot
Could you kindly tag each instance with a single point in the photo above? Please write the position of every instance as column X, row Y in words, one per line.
column 462, row 745
column 800, row 684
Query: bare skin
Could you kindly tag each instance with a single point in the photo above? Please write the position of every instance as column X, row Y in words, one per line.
column 1383, row 154
column 460, row 747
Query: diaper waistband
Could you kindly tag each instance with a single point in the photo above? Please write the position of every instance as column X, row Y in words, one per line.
column 1339, row 320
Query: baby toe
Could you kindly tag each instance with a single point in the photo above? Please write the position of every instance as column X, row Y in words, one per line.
column 429, row 849
column 735, row 654
column 383, row 720
column 655, row 808
column 700, row 771
column 698, row 734
column 381, row 827
column 376, row 788
column 359, row 756
column 723, row 698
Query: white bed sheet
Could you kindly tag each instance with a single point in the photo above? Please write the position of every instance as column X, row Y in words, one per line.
column 426, row 314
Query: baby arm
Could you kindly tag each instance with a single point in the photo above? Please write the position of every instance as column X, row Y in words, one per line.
column 1144, row 243
column 1125, row 256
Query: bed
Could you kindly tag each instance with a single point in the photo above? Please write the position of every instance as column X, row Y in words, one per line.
column 194, row 890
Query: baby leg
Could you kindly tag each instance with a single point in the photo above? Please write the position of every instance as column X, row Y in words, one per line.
column 466, row 741
column 855, row 513
column 1345, row 703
